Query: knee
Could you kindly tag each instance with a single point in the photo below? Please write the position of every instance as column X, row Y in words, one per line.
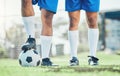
column 92, row 22
column 74, row 21
column 48, row 15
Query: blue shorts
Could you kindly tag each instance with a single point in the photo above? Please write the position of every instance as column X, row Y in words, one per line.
column 87, row 5
column 50, row 5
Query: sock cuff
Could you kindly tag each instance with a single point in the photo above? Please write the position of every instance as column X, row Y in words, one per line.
column 46, row 37
column 75, row 31
column 29, row 18
column 93, row 29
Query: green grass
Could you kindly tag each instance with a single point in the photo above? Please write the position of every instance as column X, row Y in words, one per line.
column 109, row 66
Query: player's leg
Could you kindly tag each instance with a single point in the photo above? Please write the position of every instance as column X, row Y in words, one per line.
column 73, row 36
column 73, row 7
column 48, row 9
column 93, row 35
column 28, row 19
column 92, row 7
column 46, row 35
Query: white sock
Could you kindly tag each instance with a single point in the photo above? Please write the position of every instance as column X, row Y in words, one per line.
column 93, row 35
column 29, row 25
column 74, row 40
column 45, row 45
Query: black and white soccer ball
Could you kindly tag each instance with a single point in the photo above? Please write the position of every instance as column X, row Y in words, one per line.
column 29, row 58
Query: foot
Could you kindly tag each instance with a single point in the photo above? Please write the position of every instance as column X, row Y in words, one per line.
column 47, row 62
column 30, row 44
column 74, row 61
column 34, row 2
column 93, row 60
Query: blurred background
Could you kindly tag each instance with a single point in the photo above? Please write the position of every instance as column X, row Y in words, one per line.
column 13, row 35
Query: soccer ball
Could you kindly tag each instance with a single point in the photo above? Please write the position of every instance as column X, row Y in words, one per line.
column 29, row 58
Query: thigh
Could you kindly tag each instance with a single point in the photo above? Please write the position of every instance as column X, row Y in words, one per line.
column 72, row 5
column 75, row 14
column 91, row 5
column 49, row 5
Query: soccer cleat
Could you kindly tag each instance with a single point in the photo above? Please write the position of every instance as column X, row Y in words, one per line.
column 34, row 2
column 47, row 62
column 74, row 61
column 93, row 60
column 30, row 44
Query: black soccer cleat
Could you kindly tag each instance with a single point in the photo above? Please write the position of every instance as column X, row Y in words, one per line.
column 47, row 62
column 30, row 44
column 34, row 2
column 93, row 60
column 74, row 61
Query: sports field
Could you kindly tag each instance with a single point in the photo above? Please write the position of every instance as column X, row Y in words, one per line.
column 109, row 66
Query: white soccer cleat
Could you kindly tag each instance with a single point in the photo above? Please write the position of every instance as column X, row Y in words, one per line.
column 93, row 60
